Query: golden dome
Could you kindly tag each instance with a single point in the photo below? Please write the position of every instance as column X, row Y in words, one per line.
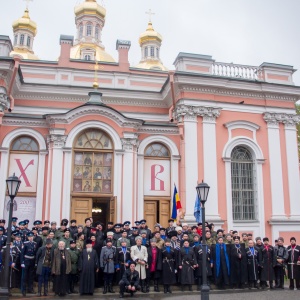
column 90, row 7
column 25, row 23
column 101, row 54
column 23, row 54
column 150, row 35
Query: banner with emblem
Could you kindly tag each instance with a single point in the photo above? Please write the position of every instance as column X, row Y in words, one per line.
column 25, row 167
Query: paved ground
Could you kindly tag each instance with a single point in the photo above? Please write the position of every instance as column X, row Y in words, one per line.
column 227, row 295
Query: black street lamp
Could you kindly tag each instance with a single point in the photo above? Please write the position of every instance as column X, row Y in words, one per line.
column 13, row 184
column 202, row 191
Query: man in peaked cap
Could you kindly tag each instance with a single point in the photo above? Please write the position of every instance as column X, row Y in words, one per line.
column 37, row 238
column 117, row 231
column 38, row 224
column 126, row 227
column 145, row 227
column 28, row 254
column 14, row 223
column 3, row 237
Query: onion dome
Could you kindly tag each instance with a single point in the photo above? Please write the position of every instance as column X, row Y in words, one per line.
column 90, row 7
column 150, row 35
column 25, row 23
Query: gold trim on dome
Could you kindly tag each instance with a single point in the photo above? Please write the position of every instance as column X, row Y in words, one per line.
column 25, row 23
column 152, row 65
column 150, row 35
column 90, row 7
column 24, row 54
column 101, row 54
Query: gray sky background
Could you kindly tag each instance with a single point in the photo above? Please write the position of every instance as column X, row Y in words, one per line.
column 247, row 32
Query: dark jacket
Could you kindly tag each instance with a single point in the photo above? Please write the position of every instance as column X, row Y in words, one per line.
column 56, row 262
column 39, row 259
column 131, row 279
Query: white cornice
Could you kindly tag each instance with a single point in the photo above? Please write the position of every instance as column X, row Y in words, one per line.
column 158, row 130
column 20, row 122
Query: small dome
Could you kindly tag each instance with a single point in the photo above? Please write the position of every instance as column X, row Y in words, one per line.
column 90, row 7
column 25, row 23
column 150, row 35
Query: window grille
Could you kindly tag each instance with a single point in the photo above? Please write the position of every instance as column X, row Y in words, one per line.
column 157, row 149
column 89, row 29
column 22, row 39
column 24, row 143
column 152, row 51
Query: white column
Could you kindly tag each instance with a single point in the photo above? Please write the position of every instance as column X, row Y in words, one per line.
column 118, row 174
column 210, row 164
column 3, row 176
column 275, row 167
column 130, row 143
column 293, row 169
column 67, row 180
column 140, row 183
column 40, row 185
column 54, row 196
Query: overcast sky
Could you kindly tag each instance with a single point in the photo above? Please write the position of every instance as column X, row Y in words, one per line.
column 247, row 32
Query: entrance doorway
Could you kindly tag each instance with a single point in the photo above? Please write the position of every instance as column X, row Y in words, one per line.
column 157, row 211
column 100, row 209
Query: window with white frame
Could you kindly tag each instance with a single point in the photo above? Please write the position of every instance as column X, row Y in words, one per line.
column 22, row 39
column 16, row 40
column 146, row 52
column 87, row 57
column 157, row 52
column 243, row 176
column 28, row 41
column 97, row 30
column 152, row 51
column 89, row 29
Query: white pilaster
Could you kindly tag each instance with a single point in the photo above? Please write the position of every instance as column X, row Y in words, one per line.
column 293, row 169
column 130, row 143
column 210, row 166
column 67, row 179
column 275, row 167
column 40, row 185
column 56, row 143
column 140, row 183
column 3, row 176
column 118, row 174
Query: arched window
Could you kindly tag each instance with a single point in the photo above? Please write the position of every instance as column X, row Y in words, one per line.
column 22, row 39
column 89, row 29
column 93, row 161
column 24, row 161
column 146, row 52
column 25, row 143
column 243, row 177
column 97, row 30
column 87, row 57
column 16, row 40
column 157, row 150
column 28, row 41
column 152, row 51
column 80, row 31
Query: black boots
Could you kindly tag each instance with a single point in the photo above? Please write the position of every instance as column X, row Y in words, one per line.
column 165, row 289
column 46, row 290
column 156, row 288
column 105, row 288
column 39, row 294
column 190, row 288
column 110, row 289
column 143, row 286
column 169, row 289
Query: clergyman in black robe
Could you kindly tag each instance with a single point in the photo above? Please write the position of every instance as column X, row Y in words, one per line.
column 88, row 265
column 238, row 264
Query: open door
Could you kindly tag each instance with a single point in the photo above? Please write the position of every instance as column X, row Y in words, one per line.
column 113, row 210
column 81, row 208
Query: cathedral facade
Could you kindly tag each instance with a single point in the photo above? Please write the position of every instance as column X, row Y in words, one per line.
column 88, row 135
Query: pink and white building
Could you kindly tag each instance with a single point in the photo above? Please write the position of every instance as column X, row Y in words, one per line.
column 116, row 157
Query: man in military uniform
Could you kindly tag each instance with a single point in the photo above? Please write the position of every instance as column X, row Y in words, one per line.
column 209, row 239
column 37, row 238
column 28, row 254
column 66, row 238
column 133, row 235
column 38, row 225
column 14, row 223
column 53, row 227
column 117, row 231
column 44, row 235
column 73, row 276
column 145, row 227
column 171, row 226
column 47, row 224
column 73, row 228
column 123, row 237
column 61, row 231
column 245, row 239
column 281, row 254
column 126, row 227
column 107, row 264
column 3, row 238
column 23, row 231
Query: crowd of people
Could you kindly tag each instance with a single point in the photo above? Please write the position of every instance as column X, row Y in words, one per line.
column 90, row 256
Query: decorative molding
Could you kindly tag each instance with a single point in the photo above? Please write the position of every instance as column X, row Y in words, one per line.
column 108, row 112
column 188, row 112
column 8, row 121
column 240, row 93
column 56, row 141
column 158, row 130
column 273, row 119
column 130, row 143
column 4, row 100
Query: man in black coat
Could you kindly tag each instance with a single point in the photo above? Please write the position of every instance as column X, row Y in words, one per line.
column 238, row 264
column 281, row 255
column 293, row 264
column 43, row 262
column 130, row 281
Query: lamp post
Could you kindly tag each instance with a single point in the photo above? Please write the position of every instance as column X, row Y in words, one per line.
column 202, row 191
column 13, row 184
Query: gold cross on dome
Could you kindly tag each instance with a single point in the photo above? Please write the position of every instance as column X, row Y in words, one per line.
column 96, row 68
column 27, row 3
column 150, row 13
